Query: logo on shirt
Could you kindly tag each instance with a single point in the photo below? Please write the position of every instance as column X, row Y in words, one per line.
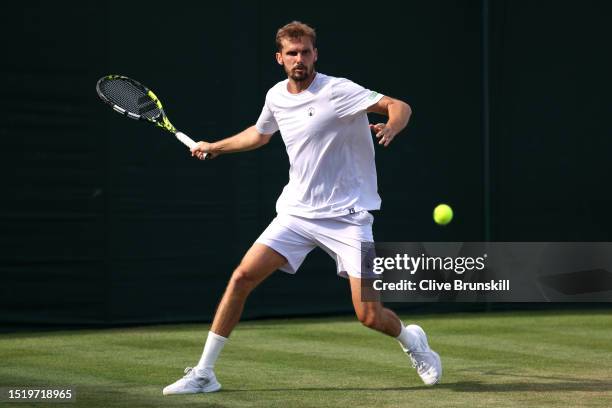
column 311, row 111
column 372, row 95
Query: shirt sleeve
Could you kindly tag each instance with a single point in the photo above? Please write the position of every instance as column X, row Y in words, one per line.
column 350, row 99
column 266, row 124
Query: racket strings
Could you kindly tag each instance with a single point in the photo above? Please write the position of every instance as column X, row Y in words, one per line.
column 130, row 97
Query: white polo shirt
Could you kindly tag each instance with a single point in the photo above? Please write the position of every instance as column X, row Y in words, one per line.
column 330, row 147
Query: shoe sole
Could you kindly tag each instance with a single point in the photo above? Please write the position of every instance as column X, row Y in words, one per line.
column 213, row 387
column 440, row 373
column 422, row 333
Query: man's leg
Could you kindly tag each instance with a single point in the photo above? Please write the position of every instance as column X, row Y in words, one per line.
column 372, row 314
column 412, row 338
column 258, row 263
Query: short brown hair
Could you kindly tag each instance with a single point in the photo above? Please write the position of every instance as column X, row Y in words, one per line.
column 295, row 29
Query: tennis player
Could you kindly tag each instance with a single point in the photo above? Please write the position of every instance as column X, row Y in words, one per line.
column 332, row 186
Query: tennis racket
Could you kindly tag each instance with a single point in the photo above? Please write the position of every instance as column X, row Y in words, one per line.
column 135, row 101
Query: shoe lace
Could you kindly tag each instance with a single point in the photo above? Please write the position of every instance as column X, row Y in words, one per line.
column 419, row 365
column 192, row 373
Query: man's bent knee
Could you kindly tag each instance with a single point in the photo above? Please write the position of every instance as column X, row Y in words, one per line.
column 242, row 280
column 369, row 318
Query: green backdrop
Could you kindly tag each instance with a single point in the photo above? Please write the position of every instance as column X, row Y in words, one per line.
column 106, row 220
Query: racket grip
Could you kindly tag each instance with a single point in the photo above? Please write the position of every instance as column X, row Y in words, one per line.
column 187, row 141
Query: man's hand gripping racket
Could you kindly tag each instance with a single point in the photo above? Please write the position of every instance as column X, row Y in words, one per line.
column 134, row 100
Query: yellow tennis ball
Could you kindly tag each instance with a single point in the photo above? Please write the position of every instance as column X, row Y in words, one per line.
column 442, row 214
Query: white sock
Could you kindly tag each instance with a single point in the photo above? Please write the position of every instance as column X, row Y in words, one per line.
column 212, row 349
column 406, row 339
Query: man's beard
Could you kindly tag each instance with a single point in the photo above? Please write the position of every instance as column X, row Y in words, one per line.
column 299, row 76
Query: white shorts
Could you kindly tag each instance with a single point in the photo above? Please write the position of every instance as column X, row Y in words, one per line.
column 347, row 239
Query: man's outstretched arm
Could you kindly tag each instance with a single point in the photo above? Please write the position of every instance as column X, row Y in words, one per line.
column 248, row 139
column 399, row 114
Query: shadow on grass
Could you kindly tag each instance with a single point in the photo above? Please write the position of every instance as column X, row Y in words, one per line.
column 466, row 386
column 565, row 386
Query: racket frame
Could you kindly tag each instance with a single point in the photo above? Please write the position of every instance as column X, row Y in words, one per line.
column 161, row 120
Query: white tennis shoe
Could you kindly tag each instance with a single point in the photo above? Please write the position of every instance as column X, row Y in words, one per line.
column 426, row 361
column 193, row 382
